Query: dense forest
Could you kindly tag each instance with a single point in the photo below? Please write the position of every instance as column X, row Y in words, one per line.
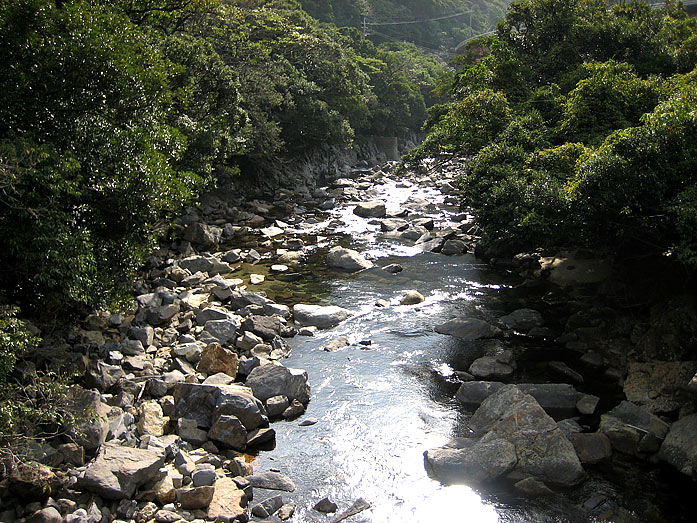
column 432, row 24
column 579, row 128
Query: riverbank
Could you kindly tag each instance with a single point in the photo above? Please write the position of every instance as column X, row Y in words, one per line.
column 190, row 381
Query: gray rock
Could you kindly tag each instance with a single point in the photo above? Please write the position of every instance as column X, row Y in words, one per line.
column 393, row 224
column 319, row 316
column 202, row 402
column 220, row 331
column 659, row 386
column 271, row 481
column 276, row 405
column 480, row 462
column 213, row 313
column 326, row 506
column 680, row 446
column 204, row 235
column 266, row 327
column 203, row 475
column 195, row 498
column 488, row 368
column 91, row 426
column 188, row 431
column 46, row 515
column 268, row 507
column 562, row 369
column 533, row 488
column 356, row 507
column 336, row 344
column 587, row 403
column 522, row 320
column 468, row 329
column 393, row 268
column 118, row 471
column 268, row 381
column 373, row 209
column 453, row 247
column 633, row 429
column 347, row 260
column 591, row 448
column 286, row 511
column 191, row 352
column 412, row 297
column 229, row 431
column 261, row 436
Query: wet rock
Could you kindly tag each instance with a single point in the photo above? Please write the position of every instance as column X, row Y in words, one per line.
column 195, row 498
column 488, row 368
column 260, row 437
column 271, row 481
column 228, row 502
column 393, row 268
column 372, row 209
column 679, row 448
column 453, row 247
column 118, row 471
column 267, row 507
column 412, row 297
column 347, row 260
column 563, row 370
column 542, row 450
column 468, row 329
column 319, row 316
column 336, row 344
column 591, row 448
column 215, row 359
column 533, row 488
column 659, row 386
column 522, row 320
column 633, row 429
column 276, row 380
column 326, row 506
column 393, row 224
column 202, row 402
column 229, row 431
column 357, row 507
column 286, row 511
column 476, row 462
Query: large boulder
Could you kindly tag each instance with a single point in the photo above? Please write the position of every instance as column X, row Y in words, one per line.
column 228, row 501
column 229, row 431
column 215, row 359
column 319, row 316
column 557, row 399
column 680, row 446
column 472, row 460
column 468, row 329
column 522, row 320
column 347, row 260
column 118, row 471
column 268, row 381
column 633, row 429
column 542, row 450
column 220, row 331
column 89, row 427
column 659, row 386
column 203, row 235
column 203, row 402
column 372, row 209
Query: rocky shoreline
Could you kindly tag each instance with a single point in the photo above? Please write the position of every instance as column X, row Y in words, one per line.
column 188, row 384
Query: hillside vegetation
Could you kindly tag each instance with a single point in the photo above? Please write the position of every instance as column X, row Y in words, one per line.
column 579, row 128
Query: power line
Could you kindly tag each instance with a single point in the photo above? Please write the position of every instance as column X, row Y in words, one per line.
column 419, row 21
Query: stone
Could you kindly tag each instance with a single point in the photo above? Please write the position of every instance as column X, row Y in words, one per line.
column 213, row 313
column 412, row 297
column 522, row 320
column 480, row 462
column 90, row 426
column 356, row 507
column 276, row 405
column 118, row 471
column 529, row 441
column 219, row 378
column 469, row 329
column 215, row 358
column 229, row 431
column 195, row 498
column 165, row 491
column 162, row 315
column 591, row 448
column 167, row 516
column 33, row 481
column 489, row 368
column 72, row 453
column 679, row 448
column 151, row 419
column 347, row 260
column 221, row 331
column 202, row 402
column 393, row 268
column 308, row 422
column 266, row 327
column 533, row 488
column 633, row 429
column 103, row 376
column 267, row 507
column 204, row 235
column 294, row 410
column 271, row 481
column 203, row 475
column 322, row 317
column 46, row 515
column 393, row 224
column 256, row 279
column 336, row 344
column 191, row 352
column 260, row 437
column 659, row 386
column 587, row 404
column 453, row 247
column 372, row 209
column 268, row 381
column 286, row 511
column 145, row 335
column 228, row 502
column 563, row 370
column 188, row 431
column 326, row 506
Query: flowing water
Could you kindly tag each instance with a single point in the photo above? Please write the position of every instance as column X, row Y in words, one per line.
column 388, row 397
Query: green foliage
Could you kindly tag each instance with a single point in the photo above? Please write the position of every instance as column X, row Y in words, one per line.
column 15, row 339
column 598, row 148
